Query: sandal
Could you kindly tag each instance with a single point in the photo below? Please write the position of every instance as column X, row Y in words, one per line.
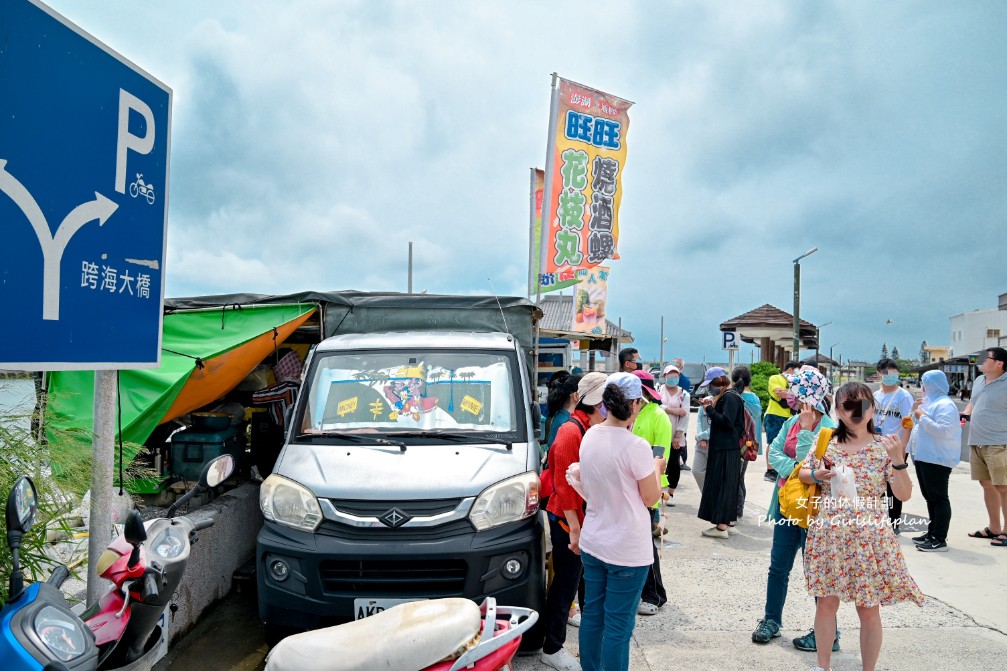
column 984, row 533
column 1000, row 541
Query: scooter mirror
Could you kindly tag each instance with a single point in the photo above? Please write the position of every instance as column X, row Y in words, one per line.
column 217, row 471
column 22, row 505
column 133, row 529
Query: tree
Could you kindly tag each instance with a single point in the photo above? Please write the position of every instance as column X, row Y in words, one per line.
column 884, row 351
column 895, row 352
column 761, row 372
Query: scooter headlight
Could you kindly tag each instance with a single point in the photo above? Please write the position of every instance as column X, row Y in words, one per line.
column 288, row 503
column 512, row 500
column 61, row 632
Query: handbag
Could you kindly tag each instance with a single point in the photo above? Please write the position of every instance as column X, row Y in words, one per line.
column 799, row 501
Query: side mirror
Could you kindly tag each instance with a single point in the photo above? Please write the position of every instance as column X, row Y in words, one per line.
column 135, row 535
column 22, row 506
column 217, row 470
column 536, row 421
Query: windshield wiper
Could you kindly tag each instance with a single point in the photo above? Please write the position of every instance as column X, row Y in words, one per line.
column 456, row 436
column 354, row 438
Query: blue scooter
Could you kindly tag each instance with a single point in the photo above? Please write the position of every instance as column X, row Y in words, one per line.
column 38, row 632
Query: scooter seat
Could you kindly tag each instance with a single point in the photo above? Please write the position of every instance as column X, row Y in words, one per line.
column 408, row 637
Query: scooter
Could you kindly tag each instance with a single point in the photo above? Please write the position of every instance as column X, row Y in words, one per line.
column 145, row 565
column 433, row 635
column 37, row 630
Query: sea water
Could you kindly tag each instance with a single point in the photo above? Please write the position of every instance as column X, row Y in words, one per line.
column 17, row 399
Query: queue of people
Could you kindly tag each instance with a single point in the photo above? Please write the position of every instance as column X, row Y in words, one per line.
column 625, row 434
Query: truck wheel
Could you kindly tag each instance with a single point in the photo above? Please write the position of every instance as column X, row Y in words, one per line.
column 533, row 640
column 274, row 633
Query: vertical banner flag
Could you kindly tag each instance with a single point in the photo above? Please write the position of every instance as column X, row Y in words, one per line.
column 589, row 300
column 537, row 194
column 584, row 165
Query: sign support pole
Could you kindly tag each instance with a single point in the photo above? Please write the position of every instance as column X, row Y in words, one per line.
column 102, row 463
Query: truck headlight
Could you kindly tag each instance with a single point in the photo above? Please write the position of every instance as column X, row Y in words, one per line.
column 512, row 500
column 288, row 503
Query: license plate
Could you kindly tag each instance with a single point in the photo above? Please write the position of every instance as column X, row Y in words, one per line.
column 366, row 607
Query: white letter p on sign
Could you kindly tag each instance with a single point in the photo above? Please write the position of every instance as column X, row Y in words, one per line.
column 127, row 141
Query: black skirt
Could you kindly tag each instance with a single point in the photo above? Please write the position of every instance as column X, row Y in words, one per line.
column 719, row 504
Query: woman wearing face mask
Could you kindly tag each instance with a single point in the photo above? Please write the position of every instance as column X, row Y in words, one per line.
column 810, row 391
column 719, row 503
column 675, row 403
column 935, row 446
column 852, row 553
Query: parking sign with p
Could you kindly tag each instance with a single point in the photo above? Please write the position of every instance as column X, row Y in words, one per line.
column 729, row 340
column 84, row 137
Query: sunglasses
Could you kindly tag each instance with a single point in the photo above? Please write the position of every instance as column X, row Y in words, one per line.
column 854, row 405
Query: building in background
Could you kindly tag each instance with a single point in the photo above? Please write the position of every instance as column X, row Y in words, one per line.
column 978, row 330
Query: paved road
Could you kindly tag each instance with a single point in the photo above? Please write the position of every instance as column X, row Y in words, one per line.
column 717, row 591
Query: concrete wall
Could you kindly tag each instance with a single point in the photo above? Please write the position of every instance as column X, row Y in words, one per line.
column 222, row 548
column 968, row 330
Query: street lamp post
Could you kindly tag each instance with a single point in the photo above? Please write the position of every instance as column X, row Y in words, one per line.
column 663, row 340
column 818, row 339
column 832, row 347
column 797, row 300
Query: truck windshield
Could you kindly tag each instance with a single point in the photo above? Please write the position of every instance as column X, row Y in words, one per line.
column 411, row 391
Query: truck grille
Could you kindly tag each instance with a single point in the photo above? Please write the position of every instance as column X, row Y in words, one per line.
column 418, row 508
column 393, row 578
column 401, row 534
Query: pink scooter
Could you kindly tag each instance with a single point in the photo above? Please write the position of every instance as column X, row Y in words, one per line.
column 433, row 635
column 145, row 566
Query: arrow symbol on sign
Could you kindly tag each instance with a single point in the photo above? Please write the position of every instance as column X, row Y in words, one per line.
column 99, row 209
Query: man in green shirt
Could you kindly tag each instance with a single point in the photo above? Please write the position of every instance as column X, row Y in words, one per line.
column 778, row 411
column 652, row 424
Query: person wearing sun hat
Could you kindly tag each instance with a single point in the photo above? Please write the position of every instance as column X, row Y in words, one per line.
column 811, row 391
column 619, row 478
column 675, row 403
column 653, row 425
column 565, row 514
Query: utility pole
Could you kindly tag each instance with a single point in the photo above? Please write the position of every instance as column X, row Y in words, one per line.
column 797, row 302
column 410, row 267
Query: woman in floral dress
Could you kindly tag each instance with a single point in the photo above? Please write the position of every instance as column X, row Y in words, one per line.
column 852, row 553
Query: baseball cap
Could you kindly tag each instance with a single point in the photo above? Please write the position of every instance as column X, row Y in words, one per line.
column 591, row 387
column 629, row 383
column 712, row 375
column 670, row 368
column 647, row 380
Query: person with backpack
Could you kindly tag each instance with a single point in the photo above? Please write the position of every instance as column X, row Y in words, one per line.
column 778, row 411
column 726, row 412
column 741, row 378
column 566, row 516
column 811, row 390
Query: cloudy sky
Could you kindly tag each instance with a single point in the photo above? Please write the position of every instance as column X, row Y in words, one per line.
column 311, row 141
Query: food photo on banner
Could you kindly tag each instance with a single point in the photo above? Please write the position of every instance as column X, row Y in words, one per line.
column 589, row 298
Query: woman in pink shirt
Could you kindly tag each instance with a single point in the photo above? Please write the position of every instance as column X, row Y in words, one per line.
column 619, row 474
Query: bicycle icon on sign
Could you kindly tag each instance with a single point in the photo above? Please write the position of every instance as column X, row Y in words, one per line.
column 141, row 188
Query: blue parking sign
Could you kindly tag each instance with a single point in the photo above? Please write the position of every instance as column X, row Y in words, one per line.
column 84, row 143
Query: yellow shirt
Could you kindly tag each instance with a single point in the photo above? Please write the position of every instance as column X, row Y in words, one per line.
column 778, row 381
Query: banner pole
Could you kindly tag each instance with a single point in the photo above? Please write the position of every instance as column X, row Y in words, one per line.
column 546, row 214
column 532, row 247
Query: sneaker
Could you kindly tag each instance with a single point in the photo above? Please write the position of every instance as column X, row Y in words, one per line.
column 897, row 529
column 646, row 608
column 670, row 501
column 807, row 643
column 657, row 531
column 932, row 545
column 920, row 539
column 561, row 659
column 766, row 631
column 771, row 476
column 573, row 620
column 685, row 467
column 714, row 532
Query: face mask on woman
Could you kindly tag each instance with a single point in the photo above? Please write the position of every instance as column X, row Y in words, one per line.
column 672, row 382
column 890, row 380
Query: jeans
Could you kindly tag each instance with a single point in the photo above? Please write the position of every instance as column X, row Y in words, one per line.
column 934, row 487
column 787, row 540
column 609, row 616
column 773, row 424
column 673, row 469
column 567, row 568
column 699, row 460
column 895, row 509
column 742, row 490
